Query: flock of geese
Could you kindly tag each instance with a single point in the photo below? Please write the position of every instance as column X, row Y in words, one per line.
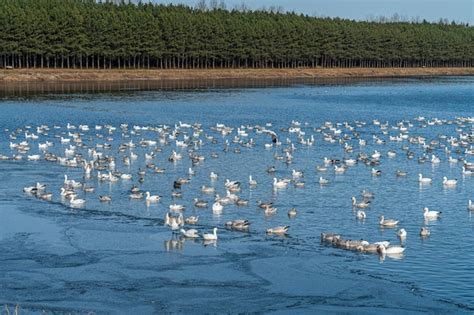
column 92, row 150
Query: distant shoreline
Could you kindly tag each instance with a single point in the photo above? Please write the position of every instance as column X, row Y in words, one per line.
column 78, row 75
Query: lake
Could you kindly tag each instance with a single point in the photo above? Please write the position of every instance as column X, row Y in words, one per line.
column 118, row 257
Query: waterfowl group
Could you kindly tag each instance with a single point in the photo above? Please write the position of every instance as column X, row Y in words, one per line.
column 131, row 162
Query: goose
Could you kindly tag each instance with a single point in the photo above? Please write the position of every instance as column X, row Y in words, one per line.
column 391, row 250
column 363, row 204
column 323, row 181
column 384, row 243
column 470, row 206
column 435, row 159
column 105, row 198
column 241, row 202
column 430, row 214
column 76, row 202
column 191, row 233
column 213, row 176
column 192, row 220
column 321, row 168
column 424, row 180
column 126, row 176
column 200, row 203
column 449, row 182
column 466, row 171
column 279, row 183
column 401, row 173
column 238, row 224
column 424, row 232
column 174, row 222
column 387, row 222
column 176, row 207
column 376, row 172
column 35, row 157
column 270, row 211
column 296, row 173
column 361, row 215
column 207, row 189
column 402, row 234
column 210, row 236
column 252, row 182
column 217, row 207
column 292, row 213
column 329, row 237
column 367, row 194
column 278, row 230
column 136, row 195
column 339, row 169
column 152, row 198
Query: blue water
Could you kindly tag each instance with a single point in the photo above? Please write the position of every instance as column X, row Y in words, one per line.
column 119, row 258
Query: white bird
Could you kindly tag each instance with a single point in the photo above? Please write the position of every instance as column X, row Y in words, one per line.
column 210, row 236
column 430, row 214
column 213, row 176
column 323, row 181
column 191, row 233
column 424, row 180
column 387, row 222
column 217, row 206
column 278, row 230
column 252, row 182
column 391, row 250
column 449, row 182
column 279, row 183
column 152, row 198
column 361, row 215
column 402, row 234
column 76, row 202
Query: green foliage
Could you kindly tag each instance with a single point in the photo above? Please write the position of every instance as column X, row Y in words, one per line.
column 90, row 34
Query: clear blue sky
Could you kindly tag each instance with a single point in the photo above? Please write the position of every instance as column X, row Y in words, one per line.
column 432, row 10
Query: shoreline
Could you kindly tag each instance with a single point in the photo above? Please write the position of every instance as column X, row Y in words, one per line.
column 116, row 75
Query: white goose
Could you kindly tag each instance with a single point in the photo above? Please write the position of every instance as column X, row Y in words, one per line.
column 152, row 198
column 279, row 183
column 449, row 182
column 360, row 215
column 430, row 214
column 210, row 236
column 387, row 222
column 424, row 180
column 191, row 233
column 402, row 234
column 391, row 250
column 252, row 182
column 76, row 202
column 217, row 206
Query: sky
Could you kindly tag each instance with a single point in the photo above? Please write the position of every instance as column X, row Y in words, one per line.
column 431, row 10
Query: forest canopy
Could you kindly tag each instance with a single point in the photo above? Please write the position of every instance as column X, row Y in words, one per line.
column 90, row 34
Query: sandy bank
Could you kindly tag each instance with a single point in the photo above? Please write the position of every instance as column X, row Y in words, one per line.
column 72, row 75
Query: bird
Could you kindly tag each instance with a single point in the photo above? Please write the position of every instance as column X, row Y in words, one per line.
column 192, row 220
column 292, row 213
column 430, row 214
column 191, row 233
column 424, row 180
column 252, row 182
column 360, row 215
column 278, row 230
column 77, row 202
column 363, row 204
column 449, row 182
column 210, row 236
column 152, row 198
column 470, row 206
column 424, row 232
column 217, row 207
column 391, row 250
column 387, row 222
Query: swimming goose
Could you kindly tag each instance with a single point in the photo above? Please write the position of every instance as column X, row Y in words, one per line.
column 387, row 222
column 430, row 214
column 367, row 194
column 435, row 159
column 152, row 198
column 278, row 230
column 391, row 250
column 339, row 169
column 209, row 236
column 424, row 180
column 213, row 176
column 217, row 206
column 207, row 189
column 449, row 182
column 424, row 232
column 176, row 207
column 363, row 204
column 252, row 182
column 296, row 173
column 292, row 213
column 191, row 233
column 238, row 224
column 192, row 220
column 105, row 198
column 279, row 183
column 401, row 173
column 360, row 215
column 376, row 172
column 200, row 203
column 323, row 181
column 77, row 202
column 466, row 171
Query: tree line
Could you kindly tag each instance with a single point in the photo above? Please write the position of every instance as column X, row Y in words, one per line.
column 103, row 35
